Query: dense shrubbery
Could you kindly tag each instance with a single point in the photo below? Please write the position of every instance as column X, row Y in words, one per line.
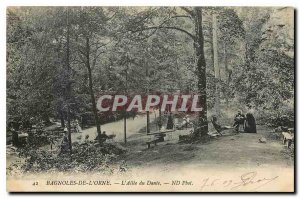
column 85, row 157
column 283, row 116
column 37, row 140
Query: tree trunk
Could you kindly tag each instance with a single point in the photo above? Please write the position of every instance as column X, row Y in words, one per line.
column 68, row 94
column 201, row 74
column 159, row 120
column 125, row 114
column 91, row 88
column 216, row 67
column 125, row 127
column 69, row 127
column 228, row 72
column 148, row 122
column 148, row 116
column 62, row 120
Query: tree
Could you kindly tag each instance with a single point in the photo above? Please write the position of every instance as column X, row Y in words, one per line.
column 32, row 52
column 90, row 25
column 232, row 32
column 216, row 66
column 68, row 87
column 195, row 15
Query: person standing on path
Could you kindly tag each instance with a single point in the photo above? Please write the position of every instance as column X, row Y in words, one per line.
column 239, row 119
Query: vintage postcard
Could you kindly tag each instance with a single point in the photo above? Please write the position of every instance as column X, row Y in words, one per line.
column 150, row 99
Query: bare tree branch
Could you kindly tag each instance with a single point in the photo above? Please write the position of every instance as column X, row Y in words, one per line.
column 190, row 12
column 155, row 28
column 96, row 58
column 181, row 16
column 168, row 27
column 81, row 52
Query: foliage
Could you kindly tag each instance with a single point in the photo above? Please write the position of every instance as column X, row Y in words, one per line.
column 255, row 55
column 84, row 157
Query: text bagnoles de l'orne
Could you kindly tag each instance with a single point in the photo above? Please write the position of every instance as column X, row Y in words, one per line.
column 171, row 103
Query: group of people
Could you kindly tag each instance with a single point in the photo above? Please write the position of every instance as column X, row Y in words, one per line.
column 75, row 127
column 184, row 124
column 240, row 120
column 247, row 122
column 173, row 123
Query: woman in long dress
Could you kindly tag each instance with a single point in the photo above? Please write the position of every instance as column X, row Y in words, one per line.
column 250, row 125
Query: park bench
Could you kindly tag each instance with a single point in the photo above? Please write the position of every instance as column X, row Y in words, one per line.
column 288, row 138
column 158, row 137
column 151, row 142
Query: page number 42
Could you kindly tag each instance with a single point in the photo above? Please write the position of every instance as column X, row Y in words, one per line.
column 35, row 183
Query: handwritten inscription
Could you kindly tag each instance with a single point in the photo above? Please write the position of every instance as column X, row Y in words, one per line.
column 249, row 179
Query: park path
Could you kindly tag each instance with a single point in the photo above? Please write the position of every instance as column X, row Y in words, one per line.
column 230, row 150
column 117, row 128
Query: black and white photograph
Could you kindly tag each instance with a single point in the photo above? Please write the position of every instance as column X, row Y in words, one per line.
column 150, row 99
